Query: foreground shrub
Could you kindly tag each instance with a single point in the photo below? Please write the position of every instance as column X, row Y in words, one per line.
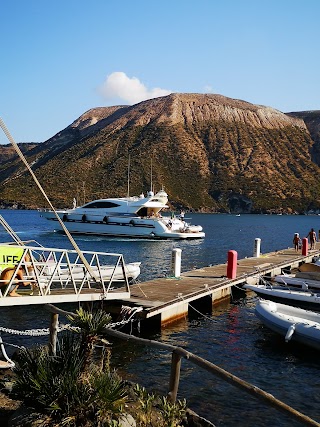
column 68, row 386
column 69, row 389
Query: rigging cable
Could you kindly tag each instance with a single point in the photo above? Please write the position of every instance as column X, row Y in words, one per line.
column 10, row 231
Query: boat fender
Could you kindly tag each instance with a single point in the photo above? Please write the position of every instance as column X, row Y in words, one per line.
column 290, row 332
column 105, row 219
column 132, row 222
column 65, row 218
column 84, row 218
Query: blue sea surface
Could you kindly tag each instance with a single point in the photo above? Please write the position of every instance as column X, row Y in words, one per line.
column 230, row 336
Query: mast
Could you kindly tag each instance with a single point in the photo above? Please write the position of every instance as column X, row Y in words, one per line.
column 128, row 193
column 151, row 189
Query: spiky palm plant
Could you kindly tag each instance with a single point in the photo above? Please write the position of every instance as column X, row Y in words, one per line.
column 111, row 394
column 68, row 385
column 90, row 326
column 51, row 382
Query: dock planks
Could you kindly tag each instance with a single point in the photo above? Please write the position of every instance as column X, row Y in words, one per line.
column 163, row 296
column 169, row 297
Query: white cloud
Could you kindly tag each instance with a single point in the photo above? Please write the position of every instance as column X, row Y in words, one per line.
column 208, row 89
column 131, row 90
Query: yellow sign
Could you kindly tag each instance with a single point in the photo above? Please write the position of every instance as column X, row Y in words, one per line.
column 10, row 256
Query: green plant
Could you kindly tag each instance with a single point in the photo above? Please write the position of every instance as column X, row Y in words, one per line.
column 90, row 326
column 90, row 323
column 51, row 383
column 68, row 385
column 172, row 413
column 76, row 392
column 145, row 401
column 110, row 393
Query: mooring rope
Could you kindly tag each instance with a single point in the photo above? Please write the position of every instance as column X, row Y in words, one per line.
column 132, row 311
column 197, row 311
column 30, row 332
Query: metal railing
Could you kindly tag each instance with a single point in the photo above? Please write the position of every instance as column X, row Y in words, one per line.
column 48, row 269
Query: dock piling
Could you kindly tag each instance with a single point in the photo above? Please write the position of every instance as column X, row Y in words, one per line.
column 232, row 264
column 176, row 262
column 257, row 245
column 305, row 246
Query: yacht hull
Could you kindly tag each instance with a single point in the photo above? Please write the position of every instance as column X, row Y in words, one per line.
column 123, row 227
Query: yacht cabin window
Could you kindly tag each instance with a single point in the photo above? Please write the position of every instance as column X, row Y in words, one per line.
column 101, row 204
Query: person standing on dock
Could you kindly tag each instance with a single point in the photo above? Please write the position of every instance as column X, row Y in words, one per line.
column 296, row 242
column 313, row 238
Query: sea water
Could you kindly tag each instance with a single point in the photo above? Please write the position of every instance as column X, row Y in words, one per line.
column 230, row 336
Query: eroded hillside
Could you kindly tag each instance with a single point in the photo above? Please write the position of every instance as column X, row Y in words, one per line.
column 209, row 152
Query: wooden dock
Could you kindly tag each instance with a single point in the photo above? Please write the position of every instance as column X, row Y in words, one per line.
column 167, row 299
column 164, row 300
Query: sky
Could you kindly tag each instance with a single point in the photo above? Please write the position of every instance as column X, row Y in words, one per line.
column 61, row 58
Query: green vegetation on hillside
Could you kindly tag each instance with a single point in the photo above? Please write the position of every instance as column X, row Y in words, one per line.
column 217, row 162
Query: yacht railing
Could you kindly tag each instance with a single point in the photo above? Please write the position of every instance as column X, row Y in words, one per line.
column 46, row 270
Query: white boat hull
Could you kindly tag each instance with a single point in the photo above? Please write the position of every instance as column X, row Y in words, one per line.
column 125, row 226
column 297, row 298
column 295, row 280
column 132, row 271
column 292, row 323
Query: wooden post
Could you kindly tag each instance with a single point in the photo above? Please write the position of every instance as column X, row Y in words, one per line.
column 54, row 322
column 174, row 376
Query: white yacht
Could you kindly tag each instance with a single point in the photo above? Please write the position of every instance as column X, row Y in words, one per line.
column 138, row 217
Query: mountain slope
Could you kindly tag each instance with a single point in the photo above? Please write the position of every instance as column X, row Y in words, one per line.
column 312, row 121
column 208, row 151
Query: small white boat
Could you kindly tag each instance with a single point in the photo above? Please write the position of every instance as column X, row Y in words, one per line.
column 138, row 217
column 292, row 323
column 307, row 299
column 307, row 275
column 132, row 271
column 301, row 280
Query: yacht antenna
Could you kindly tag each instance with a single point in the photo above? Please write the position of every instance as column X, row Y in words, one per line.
column 151, row 173
column 64, row 228
column 128, row 194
